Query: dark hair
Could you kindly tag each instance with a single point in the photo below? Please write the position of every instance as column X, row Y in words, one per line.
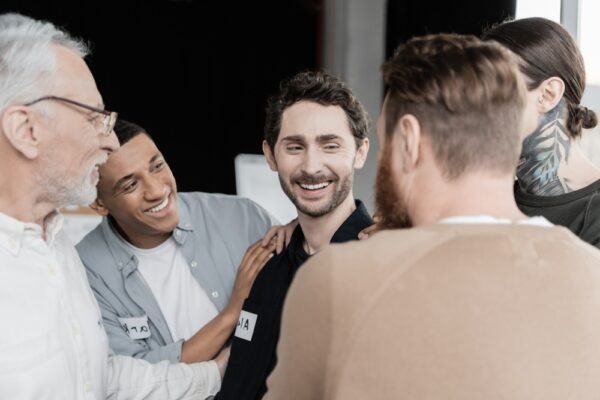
column 321, row 88
column 126, row 131
column 467, row 95
column 546, row 50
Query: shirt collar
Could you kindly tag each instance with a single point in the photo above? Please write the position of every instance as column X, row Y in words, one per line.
column 356, row 222
column 53, row 223
column 349, row 230
column 185, row 226
column 13, row 231
column 122, row 254
column 488, row 219
column 185, row 220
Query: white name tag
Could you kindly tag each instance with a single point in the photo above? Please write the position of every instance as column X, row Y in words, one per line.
column 245, row 325
column 136, row 327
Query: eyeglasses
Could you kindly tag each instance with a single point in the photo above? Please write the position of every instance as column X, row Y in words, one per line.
column 103, row 125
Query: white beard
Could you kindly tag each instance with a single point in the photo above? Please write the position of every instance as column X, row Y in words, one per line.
column 62, row 190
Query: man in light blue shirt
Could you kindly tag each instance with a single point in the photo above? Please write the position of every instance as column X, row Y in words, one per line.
column 164, row 265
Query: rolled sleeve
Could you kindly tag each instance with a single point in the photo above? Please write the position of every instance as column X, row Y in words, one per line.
column 131, row 378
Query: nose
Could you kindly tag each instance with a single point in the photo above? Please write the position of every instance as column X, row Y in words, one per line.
column 154, row 188
column 110, row 142
column 312, row 163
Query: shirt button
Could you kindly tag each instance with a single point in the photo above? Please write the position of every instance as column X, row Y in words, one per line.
column 52, row 270
column 87, row 387
column 12, row 243
column 215, row 294
column 194, row 264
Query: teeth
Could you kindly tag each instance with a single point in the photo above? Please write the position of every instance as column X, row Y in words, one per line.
column 160, row 206
column 314, row 187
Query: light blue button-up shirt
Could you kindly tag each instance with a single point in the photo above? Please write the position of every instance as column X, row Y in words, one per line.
column 214, row 232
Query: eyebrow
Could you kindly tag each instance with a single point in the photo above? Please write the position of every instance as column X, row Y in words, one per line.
column 328, row 137
column 128, row 177
column 122, row 181
column 320, row 139
column 293, row 138
column 155, row 157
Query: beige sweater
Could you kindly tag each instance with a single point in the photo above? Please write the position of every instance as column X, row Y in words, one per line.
column 445, row 312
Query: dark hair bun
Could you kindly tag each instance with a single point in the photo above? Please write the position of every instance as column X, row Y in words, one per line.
column 589, row 118
column 580, row 117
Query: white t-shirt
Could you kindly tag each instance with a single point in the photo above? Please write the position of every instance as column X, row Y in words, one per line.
column 183, row 302
column 488, row 219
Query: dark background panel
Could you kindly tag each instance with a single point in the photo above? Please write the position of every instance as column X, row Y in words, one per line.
column 408, row 18
column 191, row 71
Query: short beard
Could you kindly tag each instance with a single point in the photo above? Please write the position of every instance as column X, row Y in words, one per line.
column 391, row 207
column 343, row 190
column 77, row 191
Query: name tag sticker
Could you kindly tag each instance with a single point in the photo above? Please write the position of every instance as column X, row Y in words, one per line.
column 136, row 327
column 245, row 325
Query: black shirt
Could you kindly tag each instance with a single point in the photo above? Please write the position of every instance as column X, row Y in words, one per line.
column 579, row 210
column 252, row 361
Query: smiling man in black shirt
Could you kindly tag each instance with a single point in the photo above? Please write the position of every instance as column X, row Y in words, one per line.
column 315, row 137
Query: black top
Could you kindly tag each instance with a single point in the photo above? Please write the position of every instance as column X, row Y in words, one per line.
column 252, row 361
column 579, row 210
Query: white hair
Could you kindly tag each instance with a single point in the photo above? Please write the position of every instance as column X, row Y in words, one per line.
column 27, row 60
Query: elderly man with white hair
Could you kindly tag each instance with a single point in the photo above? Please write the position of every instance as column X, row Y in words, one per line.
column 54, row 133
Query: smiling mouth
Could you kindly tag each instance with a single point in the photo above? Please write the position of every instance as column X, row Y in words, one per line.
column 314, row 186
column 158, row 207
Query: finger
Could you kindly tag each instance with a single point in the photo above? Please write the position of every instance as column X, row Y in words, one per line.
column 289, row 230
column 255, row 252
column 249, row 254
column 260, row 262
column 262, row 254
column 280, row 242
column 270, row 234
column 365, row 233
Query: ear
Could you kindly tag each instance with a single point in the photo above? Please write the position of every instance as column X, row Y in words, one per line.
column 361, row 154
column 407, row 140
column 551, row 91
column 19, row 128
column 269, row 156
column 99, row 207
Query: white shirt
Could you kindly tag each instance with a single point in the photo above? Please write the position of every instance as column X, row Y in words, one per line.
column 183, row 302
column 52, row 343
column 488, row 219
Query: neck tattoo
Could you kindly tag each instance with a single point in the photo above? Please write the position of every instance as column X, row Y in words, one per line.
column 543, row 152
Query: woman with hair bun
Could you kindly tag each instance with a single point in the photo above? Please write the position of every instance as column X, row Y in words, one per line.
column 554, row 178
